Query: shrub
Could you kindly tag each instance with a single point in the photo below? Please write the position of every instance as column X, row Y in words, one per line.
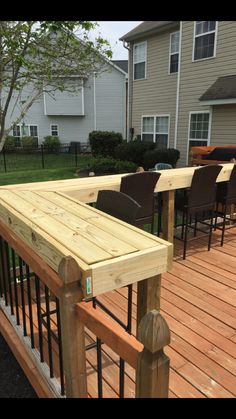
column 52, row 142
column 29, row 142
column 10, row 142
column 133, row 151
column 106, row 165
column 151, row 157
column 103, row 143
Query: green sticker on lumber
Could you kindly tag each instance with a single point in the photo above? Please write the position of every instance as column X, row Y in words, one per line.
column 88, row 285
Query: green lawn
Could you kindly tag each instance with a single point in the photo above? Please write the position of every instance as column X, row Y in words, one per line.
column 30, row 173
column 34, row 161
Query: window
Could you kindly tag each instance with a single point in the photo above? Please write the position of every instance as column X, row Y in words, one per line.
column 204, row 39
column 199, row 129
column 54, row 130
column 174, row 52
column 140, row 51
column 25, row 130
column 156, row 129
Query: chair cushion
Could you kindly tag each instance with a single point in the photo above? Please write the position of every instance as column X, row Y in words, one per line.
column 223, row 154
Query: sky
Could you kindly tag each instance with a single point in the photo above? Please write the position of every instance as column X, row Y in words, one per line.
column 112, row 31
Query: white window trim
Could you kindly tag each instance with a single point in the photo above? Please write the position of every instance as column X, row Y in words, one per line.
column 154, row 129
column 28, row 125
column 206, row 33
column 173, row 53
column 208, row 139
column 140, row 43
column 52, row 125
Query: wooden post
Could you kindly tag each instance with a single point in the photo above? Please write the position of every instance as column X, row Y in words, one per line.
column 152, row 374
column 168, row 209
column 148, row 297
column 72, row 330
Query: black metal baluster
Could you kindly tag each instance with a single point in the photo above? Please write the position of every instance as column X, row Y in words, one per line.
column 99, row 360
column 49, row 331
column 1, row 272
column 8, row 275
column 129, row 311
column 39, row 316
column 22, row 295
column 122, row 378
column 30, row 306
column 3, row 262
column 13, row 258
column 60, row 347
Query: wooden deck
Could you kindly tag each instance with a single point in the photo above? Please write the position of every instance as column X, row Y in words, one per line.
column 198, row 300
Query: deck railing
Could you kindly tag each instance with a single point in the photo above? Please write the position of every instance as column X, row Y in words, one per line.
column 48, row 313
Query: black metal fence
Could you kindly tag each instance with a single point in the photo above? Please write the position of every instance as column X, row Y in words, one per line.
column 42, row 157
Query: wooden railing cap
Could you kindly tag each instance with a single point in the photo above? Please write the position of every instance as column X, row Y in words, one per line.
column 153, row 331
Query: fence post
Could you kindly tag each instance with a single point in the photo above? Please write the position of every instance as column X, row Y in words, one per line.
column 152, row 374
column 72, row 330
column 4, row 159
column 42, row 155
column 76, row 155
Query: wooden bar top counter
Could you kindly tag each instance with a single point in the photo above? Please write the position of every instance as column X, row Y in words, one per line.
column 109, row 252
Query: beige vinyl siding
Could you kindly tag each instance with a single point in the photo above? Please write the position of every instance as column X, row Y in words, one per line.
column 223, row 129
column 196, row 77
column 157, row 93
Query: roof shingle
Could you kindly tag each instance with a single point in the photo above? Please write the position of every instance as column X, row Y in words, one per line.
column 223, row 88
column 146, row 27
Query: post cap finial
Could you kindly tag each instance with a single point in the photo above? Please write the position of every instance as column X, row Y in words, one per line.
column 153, row 331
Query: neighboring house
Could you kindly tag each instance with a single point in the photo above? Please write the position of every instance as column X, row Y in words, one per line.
column 182, row 83
column 100, row 104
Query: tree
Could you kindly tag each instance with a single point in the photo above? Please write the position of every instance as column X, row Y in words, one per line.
column 44, row 56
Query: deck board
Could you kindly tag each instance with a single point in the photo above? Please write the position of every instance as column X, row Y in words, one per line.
column 198, row 301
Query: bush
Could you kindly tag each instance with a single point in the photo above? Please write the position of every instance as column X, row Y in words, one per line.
column 133, row 151
column 103, row 143
column 106, row 165
column 29, row 142
column 52, row 142
column 10, row 142
column 169, row 155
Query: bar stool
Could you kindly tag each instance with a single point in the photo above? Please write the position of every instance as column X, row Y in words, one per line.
column 199, row 198
column 140, row 187
column 225, row 196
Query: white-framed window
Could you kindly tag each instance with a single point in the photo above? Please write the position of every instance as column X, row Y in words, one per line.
column 25, row 130
column 174, row 52
column 199, row 129
column 54, row 130
column 155, row 128
column 204, row 39
column 140, row 59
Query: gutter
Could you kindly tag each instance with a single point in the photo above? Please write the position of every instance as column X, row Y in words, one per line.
column 129, row 102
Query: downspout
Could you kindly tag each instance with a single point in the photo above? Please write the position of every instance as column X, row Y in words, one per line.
column 178, row 88
column 129, row 95
column 94, row 101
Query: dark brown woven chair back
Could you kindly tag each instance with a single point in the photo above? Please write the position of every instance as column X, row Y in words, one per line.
column 118, row 205
column 202, row 192
column 140, row 186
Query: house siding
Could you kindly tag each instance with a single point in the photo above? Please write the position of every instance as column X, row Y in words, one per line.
column 223, row 125
column 157, row 93
column 196, row 77
column 110, row 107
